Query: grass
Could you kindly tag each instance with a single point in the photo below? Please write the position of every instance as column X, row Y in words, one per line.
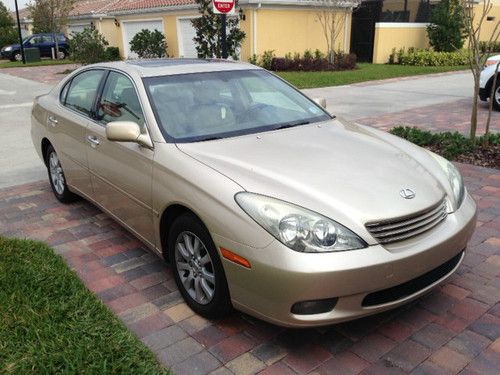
column 18, row 64
column 50, row 323
column 365, row 72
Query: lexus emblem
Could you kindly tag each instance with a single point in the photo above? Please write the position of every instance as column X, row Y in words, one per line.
column 407, row 193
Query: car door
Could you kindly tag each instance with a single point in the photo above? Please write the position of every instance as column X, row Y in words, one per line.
column 121, row 172
column 46, row 45
column 67, row 122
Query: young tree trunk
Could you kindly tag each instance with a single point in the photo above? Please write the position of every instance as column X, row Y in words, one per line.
column 54, row 35
column 473, row 117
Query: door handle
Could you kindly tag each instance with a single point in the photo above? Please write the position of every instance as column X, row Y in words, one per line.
column 92, row 139
column 52, row 120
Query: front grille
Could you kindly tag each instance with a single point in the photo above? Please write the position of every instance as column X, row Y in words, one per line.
column 413, row 286
column 399, row 229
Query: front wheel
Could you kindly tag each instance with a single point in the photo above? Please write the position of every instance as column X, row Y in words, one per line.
column 56, row 177
column 197, row 268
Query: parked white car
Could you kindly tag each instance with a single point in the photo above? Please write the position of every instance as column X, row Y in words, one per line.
column 486, row 81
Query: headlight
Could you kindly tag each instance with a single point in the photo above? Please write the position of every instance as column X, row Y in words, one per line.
column 296, row 227
column 454, row 177
column 7, row 49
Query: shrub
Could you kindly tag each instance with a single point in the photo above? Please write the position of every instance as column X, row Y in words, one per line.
column 316, row 62
column 253, row 59
column 489, row 47
column 266, row 59
column 418, row 57
column 149, row 44
column 8, row 35
column 446, row 26
column 112, row 54
column 88, row 47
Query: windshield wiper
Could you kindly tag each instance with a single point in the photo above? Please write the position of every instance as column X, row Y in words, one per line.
column 209, row 139
column 292, row 124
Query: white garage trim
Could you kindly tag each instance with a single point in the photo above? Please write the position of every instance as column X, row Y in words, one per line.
column 126, row 46
column 180, row 40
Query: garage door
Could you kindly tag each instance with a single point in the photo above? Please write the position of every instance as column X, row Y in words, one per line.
column 77, row 28
column 186, row 34
column 129, row 29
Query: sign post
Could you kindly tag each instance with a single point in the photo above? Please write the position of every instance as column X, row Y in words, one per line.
column 223, row 8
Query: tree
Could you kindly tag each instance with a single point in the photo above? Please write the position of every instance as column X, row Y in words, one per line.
column 50, row 16
column 332, row 18
column 446, row 26
column 88, row 47
column 474, row 18
column 208, row 28
column 149, row 44
column 8, row 34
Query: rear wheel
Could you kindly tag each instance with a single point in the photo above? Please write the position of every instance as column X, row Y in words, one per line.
column 56, row 177
column 197, row 268
column 16, row 56
column 61, row 55
column 496, row 98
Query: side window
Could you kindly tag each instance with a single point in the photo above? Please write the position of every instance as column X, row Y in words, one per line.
column 64, row 92
column 119, row 101
column 47, row 39
column 82, row 91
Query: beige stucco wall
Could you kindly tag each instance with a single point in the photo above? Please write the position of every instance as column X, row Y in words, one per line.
column 292, row 30
column 397, row 35
column 110, row 31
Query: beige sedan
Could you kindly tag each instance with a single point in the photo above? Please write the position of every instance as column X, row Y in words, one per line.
column 258, row 197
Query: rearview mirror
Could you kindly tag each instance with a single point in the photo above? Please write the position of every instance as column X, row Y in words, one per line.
column 320, row 101
column 127, row 131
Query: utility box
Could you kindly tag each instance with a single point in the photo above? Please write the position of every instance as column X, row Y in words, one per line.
column 32, row 54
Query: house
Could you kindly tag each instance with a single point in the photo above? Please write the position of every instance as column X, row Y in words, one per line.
column 280, row 25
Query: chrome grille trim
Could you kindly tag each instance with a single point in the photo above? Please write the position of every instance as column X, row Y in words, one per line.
column 398, row 229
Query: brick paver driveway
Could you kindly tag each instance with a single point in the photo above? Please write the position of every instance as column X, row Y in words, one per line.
column 454, row 329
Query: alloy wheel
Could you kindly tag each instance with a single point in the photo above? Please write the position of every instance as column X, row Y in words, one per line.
column 56, row 173
column 195, row 268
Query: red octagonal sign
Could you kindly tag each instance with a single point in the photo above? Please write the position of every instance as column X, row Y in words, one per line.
column 223, row 6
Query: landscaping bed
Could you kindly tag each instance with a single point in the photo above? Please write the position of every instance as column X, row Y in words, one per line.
column 455, row 146
column 50, row 323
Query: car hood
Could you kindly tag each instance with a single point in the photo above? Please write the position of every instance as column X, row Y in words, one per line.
column 350, row 173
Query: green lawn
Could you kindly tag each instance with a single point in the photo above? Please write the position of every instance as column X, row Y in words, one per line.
column 365, row 72
column 50, row 323
column 18, row 64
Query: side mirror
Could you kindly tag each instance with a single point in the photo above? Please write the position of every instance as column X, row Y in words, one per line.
column 320, row 101
column 127, row 131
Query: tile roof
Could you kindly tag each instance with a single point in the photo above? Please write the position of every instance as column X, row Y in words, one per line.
column 127, row 5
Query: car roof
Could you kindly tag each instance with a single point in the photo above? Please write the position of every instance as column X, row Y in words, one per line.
column 161, row 67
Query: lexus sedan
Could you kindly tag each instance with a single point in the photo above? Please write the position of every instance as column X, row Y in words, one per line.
column 258, row 197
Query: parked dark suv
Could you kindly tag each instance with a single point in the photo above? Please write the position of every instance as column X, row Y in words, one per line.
column 44, row 42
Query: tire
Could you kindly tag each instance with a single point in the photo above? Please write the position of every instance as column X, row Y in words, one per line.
column 61, row 55
column 16, row 56
column 496, row 98
column 197, row 268
column 56, row 177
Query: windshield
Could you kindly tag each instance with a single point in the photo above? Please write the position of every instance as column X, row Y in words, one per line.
column 203, row 106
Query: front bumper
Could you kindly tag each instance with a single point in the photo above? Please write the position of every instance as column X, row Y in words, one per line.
column 281, row 277
column 483, row 94
column 6, row 54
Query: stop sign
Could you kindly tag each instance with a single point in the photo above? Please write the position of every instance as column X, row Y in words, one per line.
column 223, row 6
